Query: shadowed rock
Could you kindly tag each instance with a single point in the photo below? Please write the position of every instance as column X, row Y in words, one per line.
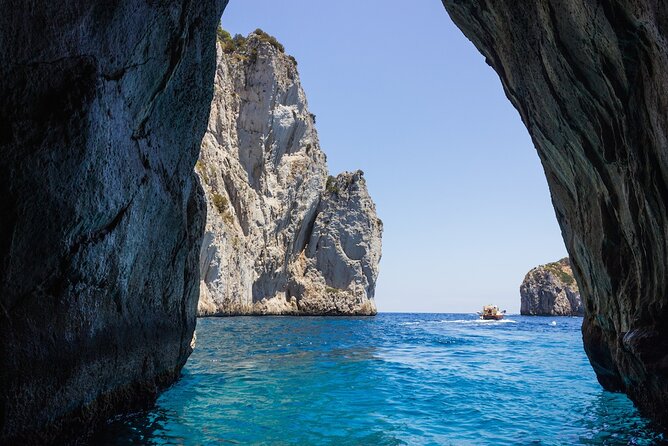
column 590, row 81
column 103, row 109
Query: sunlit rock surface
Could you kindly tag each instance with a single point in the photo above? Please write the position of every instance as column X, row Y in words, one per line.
column 590, row 81
column 103, row 109
column 551, row 290
column 281, row 238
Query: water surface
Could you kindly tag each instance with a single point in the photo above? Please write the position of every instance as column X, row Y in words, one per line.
column 416, row 379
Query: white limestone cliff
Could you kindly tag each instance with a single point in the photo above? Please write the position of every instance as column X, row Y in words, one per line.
column 279, row 238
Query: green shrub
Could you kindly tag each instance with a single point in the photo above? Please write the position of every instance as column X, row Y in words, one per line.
column 253, row 55
column 239, row 42
column 225, row 40
column 230, row 44
column 200, row 168
column 228, row 217
column 219, row 202
column 331, row 185
column 556, row 268
column 566, row 278
column 264, row 37
column 222, row 34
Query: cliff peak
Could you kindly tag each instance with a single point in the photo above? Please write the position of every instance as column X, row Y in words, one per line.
column 246, row 47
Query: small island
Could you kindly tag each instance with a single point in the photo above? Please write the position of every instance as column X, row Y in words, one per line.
column 551, row 290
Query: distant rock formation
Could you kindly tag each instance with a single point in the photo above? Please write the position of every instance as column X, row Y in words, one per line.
column 551, row 290
column 281, row 238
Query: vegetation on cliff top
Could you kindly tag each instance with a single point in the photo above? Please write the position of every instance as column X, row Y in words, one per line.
column 344, row 180
column 264, row 37
column 230, row 44
column 558, row 269
column 238, row 42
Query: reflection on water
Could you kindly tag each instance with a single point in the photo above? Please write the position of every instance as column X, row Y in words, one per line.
column 393, row 379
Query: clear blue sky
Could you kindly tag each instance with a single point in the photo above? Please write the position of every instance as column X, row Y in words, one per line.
column 400, row 93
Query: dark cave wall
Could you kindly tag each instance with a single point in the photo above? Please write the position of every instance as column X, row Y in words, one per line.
column 104, row 105
column 590, row 81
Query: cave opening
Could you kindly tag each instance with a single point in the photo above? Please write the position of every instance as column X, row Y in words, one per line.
column 409, row 100
column 105, row 218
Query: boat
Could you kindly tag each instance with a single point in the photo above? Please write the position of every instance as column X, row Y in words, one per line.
column 491, row 312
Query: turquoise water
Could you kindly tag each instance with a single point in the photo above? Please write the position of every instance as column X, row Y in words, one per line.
column 413, row 379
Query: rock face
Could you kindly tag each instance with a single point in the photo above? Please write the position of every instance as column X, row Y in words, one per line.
column 551, row 290
column 103, row 109
column 336, row 272
column 590, row 81
column 281, row 238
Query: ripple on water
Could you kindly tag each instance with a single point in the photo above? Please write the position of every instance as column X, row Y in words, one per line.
column 389, row 380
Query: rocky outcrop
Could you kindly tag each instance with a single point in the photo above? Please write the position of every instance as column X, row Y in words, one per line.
column 336, row 272
column 590, row 81
column 551, row 290
column 281, row 238
column 103, row 109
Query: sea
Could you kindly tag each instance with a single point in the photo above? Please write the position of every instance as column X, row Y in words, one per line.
column 393, row 379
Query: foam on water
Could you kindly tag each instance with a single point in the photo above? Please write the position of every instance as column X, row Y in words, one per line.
column 414, row 379
column 479, row 321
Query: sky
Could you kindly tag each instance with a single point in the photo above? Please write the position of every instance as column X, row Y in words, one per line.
column 400, row 93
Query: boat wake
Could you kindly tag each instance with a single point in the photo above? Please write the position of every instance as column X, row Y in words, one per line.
column 479, row 321
column 462, row 321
